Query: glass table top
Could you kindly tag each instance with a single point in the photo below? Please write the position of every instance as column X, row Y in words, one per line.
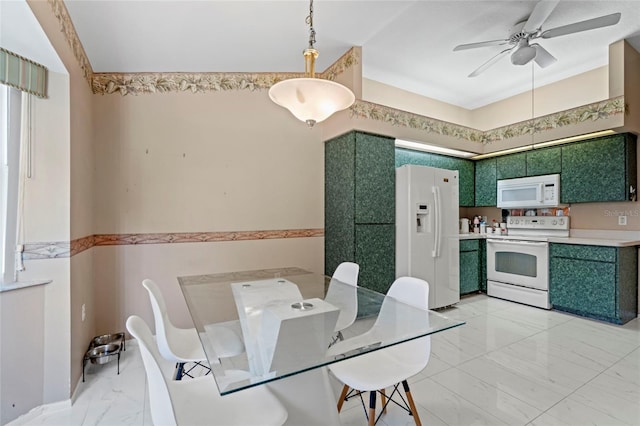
column 290, row 321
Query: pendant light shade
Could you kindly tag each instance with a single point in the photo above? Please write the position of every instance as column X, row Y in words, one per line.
column 311, row 99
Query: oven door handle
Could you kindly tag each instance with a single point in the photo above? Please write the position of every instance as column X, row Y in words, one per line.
column 517, row 242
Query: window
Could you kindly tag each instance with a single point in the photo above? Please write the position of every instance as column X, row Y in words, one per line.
column 10, row 124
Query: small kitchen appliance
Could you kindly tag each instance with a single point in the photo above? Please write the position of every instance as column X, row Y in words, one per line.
column 529, row 192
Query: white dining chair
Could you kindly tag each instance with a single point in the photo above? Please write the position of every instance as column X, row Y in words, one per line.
column 389, row 367
column 183, row 345
column 344, row 298
column 197, row 401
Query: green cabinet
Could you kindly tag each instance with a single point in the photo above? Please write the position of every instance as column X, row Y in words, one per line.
column 360, row 206
column 486, row 182
column 599, row 170
column 376, row 253
column 471, row 270
column 594, row 281
column 511, row 166
column 465, row 168
column 545, row 161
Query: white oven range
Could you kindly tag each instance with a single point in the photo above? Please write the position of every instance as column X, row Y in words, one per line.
column 518, row 264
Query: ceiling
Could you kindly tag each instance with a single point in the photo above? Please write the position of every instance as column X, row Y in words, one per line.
column 406, row 44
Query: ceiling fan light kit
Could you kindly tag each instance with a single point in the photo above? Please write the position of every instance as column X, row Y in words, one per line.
column 311, row 99
column 522, row 51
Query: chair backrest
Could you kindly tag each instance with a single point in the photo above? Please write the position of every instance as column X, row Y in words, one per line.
column 161, row 406
column 347, row 272
column 344, row 298
column 414, row 292
column 164, row 327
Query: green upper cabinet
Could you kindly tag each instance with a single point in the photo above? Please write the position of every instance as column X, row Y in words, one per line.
column 511, row 166
column 375, row 179
column 545, row 161
column 465, row 168
column 599, row 170
column 486, row 182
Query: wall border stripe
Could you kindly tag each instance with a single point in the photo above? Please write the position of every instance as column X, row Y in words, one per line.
column 64, row 249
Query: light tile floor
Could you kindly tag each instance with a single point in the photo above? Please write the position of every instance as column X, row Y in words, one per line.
column 509, row 365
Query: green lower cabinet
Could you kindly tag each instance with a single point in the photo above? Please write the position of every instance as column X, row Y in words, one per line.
column 470, row 266
column 594, row 281
column 376, row 255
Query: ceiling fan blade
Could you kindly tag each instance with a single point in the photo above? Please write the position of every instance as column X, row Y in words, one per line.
column 480, row 44
column 589, row 24
column 490, row 62
column 539, row 15
column 543, row 57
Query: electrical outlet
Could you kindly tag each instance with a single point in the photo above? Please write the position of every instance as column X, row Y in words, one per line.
column 622, row 220
column 84, row 312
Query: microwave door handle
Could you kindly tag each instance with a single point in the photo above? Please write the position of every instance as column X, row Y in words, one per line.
column 540, row 193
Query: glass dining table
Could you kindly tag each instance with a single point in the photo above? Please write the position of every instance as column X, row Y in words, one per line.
column 286, row 318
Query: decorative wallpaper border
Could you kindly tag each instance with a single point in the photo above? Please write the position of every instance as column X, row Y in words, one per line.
column 62, row 249
column 590, row 112
column 66, row 27
column 141, row 83
column 400, row 118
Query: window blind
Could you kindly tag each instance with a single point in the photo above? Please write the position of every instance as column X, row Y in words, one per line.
column 22, row 74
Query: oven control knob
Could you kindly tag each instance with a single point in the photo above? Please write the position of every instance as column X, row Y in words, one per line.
column 542, row 222
column 561, row 221
column 517, row 221
column 555, row 222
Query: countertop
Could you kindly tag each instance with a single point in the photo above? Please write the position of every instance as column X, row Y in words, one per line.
column 592, row 237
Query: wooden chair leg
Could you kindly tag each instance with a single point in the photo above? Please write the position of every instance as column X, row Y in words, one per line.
column 343, row 395
column 372, row 408
column 383, row 398
column 412, row 405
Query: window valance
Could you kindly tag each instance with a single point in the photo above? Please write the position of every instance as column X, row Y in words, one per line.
column 22, row 74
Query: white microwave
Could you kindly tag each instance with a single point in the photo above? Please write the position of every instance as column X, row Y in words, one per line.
column 529, row 192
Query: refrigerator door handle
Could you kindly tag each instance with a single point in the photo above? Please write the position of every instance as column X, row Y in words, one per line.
column 436, row 241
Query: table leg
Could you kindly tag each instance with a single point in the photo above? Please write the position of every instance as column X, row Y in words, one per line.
column 308, row 398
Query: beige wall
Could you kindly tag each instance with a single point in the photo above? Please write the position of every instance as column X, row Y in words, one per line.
column 183, row 162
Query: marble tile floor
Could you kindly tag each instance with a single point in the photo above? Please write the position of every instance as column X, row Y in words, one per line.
column 509, row 365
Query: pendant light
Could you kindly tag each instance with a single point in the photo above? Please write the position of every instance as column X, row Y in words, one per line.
column 311, row 99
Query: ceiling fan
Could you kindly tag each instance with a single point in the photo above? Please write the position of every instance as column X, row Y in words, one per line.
column 519, row 41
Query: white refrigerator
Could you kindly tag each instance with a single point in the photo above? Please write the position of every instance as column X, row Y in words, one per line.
column 427, row 230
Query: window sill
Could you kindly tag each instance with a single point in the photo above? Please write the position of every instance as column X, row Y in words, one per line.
column 21, row 284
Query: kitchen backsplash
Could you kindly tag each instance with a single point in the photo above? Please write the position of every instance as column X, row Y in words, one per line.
column 583, row 215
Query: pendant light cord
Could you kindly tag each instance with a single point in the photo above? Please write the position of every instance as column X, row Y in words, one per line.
column 312, row 32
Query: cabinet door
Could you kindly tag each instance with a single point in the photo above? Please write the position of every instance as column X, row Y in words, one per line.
column 511, row 166
column 376, row 255
column 486, row 186
column 583, row 287
column 595, row 171
column 544, row 161
column 339, row 201
column 375, row 179
column 469, row 271
column 465, row 168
